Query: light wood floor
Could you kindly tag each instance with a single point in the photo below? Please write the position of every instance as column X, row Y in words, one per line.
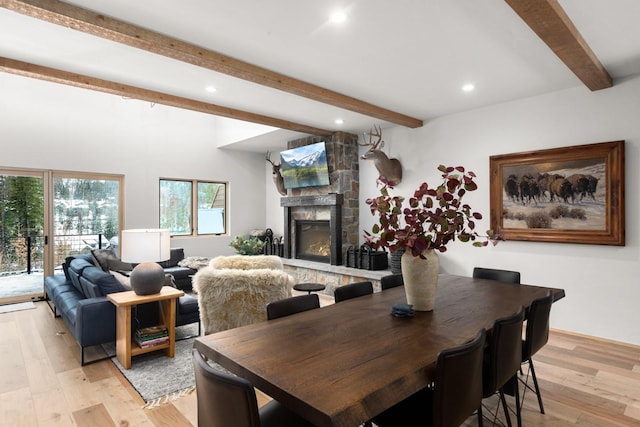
column 585, row 381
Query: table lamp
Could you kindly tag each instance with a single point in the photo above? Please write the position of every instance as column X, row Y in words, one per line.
column 146, row 247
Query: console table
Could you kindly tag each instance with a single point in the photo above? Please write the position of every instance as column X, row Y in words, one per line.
column 124, row 301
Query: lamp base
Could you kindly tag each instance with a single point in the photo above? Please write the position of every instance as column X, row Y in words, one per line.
column 147, row 278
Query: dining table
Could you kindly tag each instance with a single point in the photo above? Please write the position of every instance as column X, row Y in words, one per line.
column 343, row 364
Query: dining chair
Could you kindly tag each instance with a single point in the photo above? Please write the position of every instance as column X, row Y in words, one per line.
column 353, row 290
column 536, row 336
column 292, row 305
column 506, row 276
column 226, row 400
column 391, row 281
column 502, row 360
column 455, row 395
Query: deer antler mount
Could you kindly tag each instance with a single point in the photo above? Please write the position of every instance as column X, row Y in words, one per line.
column 390, row 170
column 278, row 180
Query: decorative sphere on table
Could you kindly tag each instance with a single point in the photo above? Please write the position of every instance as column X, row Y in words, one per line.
column 147, row 278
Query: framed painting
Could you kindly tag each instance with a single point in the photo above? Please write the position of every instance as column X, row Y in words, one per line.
column 564, row 195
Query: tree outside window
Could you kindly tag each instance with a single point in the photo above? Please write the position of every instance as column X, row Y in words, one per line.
column 187, row 202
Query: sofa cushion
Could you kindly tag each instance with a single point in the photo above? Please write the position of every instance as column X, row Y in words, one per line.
column 180, row 272
column 66, row 303
column 98, row 283
column 76, row 267
column 187, row 304
column 177, row 255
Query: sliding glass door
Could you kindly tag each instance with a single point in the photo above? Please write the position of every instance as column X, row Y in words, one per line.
column 86, row 214
column 22, row 235
column 46, row 216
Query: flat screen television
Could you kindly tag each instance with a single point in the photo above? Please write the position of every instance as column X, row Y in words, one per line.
column 305, row 166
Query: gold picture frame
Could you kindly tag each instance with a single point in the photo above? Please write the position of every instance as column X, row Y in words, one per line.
column 579, row 196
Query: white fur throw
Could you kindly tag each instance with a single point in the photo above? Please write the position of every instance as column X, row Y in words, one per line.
column 229, row 298
column 247, row 262
column 194, row 262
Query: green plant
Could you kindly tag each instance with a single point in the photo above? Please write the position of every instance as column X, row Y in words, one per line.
column 247, row 246
column 434, row 217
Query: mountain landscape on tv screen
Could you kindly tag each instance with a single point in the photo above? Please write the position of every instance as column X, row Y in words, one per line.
column 305, row 166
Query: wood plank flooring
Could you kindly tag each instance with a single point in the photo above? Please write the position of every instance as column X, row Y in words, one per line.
column 585, row 381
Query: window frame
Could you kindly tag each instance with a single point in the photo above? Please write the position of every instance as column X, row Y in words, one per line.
column 194, row 205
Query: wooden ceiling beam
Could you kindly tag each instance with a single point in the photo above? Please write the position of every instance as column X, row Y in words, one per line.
column 26, row 69
column 551, row 23
column 111, row 29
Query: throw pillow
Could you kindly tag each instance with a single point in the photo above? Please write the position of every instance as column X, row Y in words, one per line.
column 117, row 264
column 123, row 279
column 169, row 280
column 107, row 260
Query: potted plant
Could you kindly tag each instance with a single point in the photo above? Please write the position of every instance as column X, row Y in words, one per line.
column 433, row 218
column 247, row 245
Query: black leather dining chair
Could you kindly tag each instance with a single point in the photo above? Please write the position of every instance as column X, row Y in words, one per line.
column 506, row 276
column 536, row 336
column 456, row 393
column 353, row 290
column 391, row 281
column 502, row 360
column 292, row 305
column 226, row 400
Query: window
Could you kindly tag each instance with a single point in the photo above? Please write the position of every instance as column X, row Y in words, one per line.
column 46, row 216
column 187, row 202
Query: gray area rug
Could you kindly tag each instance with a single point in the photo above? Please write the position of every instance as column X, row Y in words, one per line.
column 158, row 378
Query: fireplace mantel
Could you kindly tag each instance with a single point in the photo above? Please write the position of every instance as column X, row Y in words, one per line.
column 332, row 199
column 333, row 202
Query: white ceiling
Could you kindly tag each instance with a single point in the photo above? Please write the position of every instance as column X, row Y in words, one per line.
column 409, row 56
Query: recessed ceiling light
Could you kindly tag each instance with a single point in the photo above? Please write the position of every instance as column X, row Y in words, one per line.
column 469, row 87
column 210, row 89
column 339, row 121
column 338, row 17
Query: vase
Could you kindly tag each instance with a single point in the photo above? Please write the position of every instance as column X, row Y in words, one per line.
column 420, row 279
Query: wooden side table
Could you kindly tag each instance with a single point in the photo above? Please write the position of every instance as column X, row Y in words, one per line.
column 124, row 301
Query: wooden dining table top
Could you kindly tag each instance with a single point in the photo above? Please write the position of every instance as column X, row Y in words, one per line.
column 342, row 364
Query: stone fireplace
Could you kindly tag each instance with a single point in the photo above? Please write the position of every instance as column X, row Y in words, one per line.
column 299, row 210
column 334, row 206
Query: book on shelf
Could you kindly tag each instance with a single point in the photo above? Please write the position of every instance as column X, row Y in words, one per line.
column 151, row 336
column 152, row 343
column 152, row 331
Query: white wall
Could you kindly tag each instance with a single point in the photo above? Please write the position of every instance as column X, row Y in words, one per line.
column 601, row 282
column 50, row 126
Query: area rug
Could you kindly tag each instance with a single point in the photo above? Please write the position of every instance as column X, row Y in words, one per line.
column 158, row 378
column 8, row 308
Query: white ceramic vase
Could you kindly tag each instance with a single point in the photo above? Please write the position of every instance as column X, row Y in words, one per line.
column 420, row 278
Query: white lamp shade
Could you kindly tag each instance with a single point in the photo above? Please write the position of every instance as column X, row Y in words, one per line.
column 145, row 245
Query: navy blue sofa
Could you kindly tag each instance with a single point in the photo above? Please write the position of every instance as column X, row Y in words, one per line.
column 79, row 297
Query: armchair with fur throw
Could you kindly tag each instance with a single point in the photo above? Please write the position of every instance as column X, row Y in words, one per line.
column 234, row 291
